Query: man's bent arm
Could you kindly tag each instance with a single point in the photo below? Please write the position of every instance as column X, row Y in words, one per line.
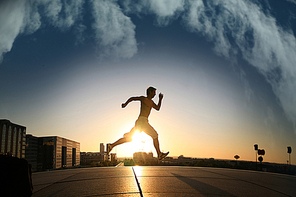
column 157, row 107
column 123, row 105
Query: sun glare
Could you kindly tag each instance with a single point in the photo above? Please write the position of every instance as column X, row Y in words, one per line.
column 138, row 170
column 139, row 141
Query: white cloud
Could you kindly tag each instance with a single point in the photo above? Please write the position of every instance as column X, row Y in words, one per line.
column 233, row 26
column 79, row 31
column 23, row 16
column 115, row 32
column 165, row 10
column 237, row 25
column 16, row 17
column 63, row 14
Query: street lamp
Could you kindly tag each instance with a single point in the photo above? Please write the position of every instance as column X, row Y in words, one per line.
column 289, row 151
column 261, row 152
column 256, row 149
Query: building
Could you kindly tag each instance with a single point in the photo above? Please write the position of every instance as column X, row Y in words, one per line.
column 89, row 157
column 12, row 138
column 102, row 152
column 32, row 150
column 102, row 148
column 113, row 157
column 142, row 157
column 52, row 152
column 86, row 158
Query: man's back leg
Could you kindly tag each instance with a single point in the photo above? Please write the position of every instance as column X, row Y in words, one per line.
column 128, row 137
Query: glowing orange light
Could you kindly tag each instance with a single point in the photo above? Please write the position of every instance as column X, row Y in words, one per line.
column 139, row 140
column 138, row 171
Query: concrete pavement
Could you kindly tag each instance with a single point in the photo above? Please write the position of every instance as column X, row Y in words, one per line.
column 161, row 181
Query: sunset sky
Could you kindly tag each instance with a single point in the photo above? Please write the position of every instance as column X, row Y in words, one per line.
column 227, row 70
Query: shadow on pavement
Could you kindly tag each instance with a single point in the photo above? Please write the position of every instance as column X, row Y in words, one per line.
column 201, row 187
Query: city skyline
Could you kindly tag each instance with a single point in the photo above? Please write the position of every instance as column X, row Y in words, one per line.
column 226, row 69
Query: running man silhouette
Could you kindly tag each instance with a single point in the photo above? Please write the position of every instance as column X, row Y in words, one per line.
column 142, row 122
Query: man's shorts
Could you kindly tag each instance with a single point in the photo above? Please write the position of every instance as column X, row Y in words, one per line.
column 142, row 125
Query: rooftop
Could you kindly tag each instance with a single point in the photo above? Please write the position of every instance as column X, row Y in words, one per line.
column 161, row 181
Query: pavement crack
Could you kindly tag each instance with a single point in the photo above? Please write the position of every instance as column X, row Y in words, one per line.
column 138, row 183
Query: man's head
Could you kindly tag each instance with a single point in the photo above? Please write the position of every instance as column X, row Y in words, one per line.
column 150, row 90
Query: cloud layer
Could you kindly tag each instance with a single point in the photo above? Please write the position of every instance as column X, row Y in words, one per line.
column 16, row 17
column 236, row 27
column 242, row 26
column 114, row 31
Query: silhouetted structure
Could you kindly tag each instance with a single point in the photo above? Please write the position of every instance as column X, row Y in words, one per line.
column 32, row 151
column 142, row 157
column 52, row 152
column 91, row 158
column 102, row 150
column 12, row 138
column 113, row 157
column 15, row 176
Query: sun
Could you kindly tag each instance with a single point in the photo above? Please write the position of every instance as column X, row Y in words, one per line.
column 139, row 141
column 139, row 136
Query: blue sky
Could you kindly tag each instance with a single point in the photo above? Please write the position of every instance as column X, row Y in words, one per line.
column 226, row 69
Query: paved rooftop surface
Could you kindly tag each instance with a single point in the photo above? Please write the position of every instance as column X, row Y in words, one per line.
column 161, row 181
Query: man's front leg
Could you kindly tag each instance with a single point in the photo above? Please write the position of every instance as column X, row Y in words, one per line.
column 156, row 145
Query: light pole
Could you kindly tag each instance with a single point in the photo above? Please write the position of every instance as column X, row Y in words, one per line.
column 261, row 152
column 289, row 151
column 256, row 150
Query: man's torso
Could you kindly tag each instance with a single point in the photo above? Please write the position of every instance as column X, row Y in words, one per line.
column 146, row 105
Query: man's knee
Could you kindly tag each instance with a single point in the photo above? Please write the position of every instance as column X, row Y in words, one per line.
column 128, row 138
column 155, row 137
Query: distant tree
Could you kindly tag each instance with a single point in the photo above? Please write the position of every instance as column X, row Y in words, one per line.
column 236, row 157
column 129, row 162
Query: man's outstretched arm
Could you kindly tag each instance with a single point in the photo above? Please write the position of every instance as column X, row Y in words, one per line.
column 123, row 105
column 157, row 107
